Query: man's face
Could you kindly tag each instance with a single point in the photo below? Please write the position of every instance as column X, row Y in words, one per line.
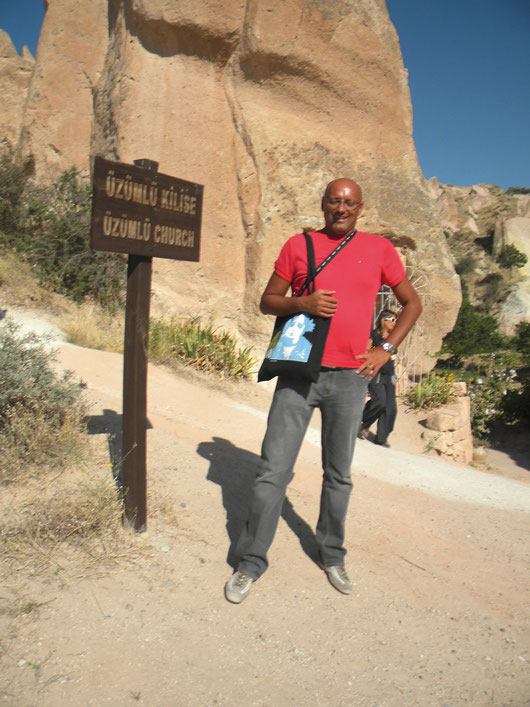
column 342, row 205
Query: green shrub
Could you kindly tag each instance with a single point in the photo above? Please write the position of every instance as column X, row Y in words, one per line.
column 499, row 388
column 434, row 390
column 40, row 412
column 473, row 332
column 511, row 257
column 495, row 391
column 50, row 228
column 12, row 183
column 518, row 190
column 205, row 348
column 465, row 265
column 522, row 340
column 55, row 236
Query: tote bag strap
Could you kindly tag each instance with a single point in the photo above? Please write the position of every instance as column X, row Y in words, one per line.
column 311, row 271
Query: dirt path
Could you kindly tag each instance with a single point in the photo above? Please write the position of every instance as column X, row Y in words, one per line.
column 438, row 554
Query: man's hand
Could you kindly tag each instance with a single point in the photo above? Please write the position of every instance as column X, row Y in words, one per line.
column 373, row 360
column 320, row 303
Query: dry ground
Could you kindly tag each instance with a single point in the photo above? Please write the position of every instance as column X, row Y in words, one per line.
column 438, row 553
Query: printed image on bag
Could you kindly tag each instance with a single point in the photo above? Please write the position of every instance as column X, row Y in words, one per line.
column 290, row 343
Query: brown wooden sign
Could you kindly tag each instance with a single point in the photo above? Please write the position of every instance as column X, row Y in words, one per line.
column 141, row 212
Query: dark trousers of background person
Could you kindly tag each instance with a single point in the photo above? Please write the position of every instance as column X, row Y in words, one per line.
column 381, row 406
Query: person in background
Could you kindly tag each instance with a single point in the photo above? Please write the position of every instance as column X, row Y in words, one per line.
column 382, row 405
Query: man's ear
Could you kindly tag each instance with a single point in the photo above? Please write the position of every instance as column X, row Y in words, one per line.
column 322, row 203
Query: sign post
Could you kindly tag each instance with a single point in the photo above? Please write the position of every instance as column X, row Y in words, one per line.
column 138, row 211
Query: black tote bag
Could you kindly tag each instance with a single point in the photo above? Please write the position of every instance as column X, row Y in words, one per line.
column 298, row 340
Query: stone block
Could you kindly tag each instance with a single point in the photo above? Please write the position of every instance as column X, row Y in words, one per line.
column 463, row 451
column 460, row 388
column 439, row 421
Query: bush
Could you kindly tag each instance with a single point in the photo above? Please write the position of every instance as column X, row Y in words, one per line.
column 203, row 347
column 499, row 388
column 55, row 237
column 434, row 390
column 40, row 412
column 522, row 340
column 50, row 228
column 511, row 257
column 473, row 333
column 12, row 183
column 495, row 393
column 518, row 190
column 465, row 265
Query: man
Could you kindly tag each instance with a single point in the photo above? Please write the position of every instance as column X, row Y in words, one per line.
column 346, row 290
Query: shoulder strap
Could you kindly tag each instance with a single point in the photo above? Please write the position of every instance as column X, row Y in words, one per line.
column 311, row 271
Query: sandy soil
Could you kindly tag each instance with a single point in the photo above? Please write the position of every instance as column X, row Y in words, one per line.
column 438, row 553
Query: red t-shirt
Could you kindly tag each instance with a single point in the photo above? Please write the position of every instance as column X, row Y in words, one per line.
column 356, row 274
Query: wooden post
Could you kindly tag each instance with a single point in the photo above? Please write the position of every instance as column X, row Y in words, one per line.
column 140, row 211
column 134, row 476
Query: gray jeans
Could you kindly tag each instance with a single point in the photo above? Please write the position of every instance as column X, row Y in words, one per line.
column 340, row 394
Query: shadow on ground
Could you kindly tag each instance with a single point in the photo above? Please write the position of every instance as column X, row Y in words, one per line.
column 513, row 441
column 110, row 424
column 234, row 470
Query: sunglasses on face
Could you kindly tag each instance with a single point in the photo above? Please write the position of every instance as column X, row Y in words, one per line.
column 390, row 319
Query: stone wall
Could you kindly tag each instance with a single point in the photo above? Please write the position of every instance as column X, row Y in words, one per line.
column 449, row 427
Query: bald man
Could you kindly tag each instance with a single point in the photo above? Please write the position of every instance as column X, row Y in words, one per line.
column 345, row 291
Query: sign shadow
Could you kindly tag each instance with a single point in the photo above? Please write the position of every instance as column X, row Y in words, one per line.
column 234, row 469
column 110, row 423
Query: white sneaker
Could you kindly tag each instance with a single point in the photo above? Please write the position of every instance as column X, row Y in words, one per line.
column 338, row 577
column 238, row 587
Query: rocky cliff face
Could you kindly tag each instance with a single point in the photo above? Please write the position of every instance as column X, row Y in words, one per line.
column 58, row 117
column 479, row 221
column 15, row 75
column 263, row 103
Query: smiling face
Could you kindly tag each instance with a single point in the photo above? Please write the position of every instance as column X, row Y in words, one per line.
column 342, row 205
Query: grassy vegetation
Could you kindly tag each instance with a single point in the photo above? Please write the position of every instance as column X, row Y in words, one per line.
column 40, row 412
column 434, row 390
column 204, row 347
column 498, row 384
column 49, row 499
column 49, row 228
column 93, row 327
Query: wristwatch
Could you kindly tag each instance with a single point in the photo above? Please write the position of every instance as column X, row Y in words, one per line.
column 387, row 346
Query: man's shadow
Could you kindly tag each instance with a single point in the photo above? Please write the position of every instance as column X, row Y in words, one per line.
column 234, row 469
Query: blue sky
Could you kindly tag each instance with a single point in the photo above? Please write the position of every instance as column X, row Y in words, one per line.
column 468, row 63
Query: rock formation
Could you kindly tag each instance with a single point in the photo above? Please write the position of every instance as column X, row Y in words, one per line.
column 481, row 220
column 516, row 231
column 58, row 116
column 15, row 75
column 263, row 103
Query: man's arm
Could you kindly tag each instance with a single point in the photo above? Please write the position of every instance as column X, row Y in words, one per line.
column 409, row 300
column 274, row 300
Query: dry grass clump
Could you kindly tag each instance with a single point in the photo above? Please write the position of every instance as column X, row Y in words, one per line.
column 44, row 527
column 20, row 285
column 92, row 327
column 29, row 442
column 40, row 411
